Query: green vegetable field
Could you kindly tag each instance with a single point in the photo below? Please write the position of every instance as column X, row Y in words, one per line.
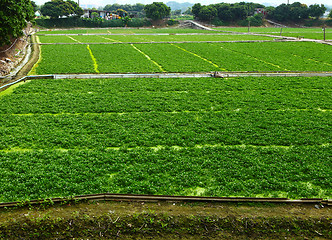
column 197, row 136
column 313, row 33
column 237, row 136
column 185, row 57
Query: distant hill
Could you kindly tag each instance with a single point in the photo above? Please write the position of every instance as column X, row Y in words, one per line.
column 179, row 6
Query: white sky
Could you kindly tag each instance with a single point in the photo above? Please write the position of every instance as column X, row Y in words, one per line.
column 203, row 2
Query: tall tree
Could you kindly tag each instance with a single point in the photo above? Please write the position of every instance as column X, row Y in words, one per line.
column 58, row 8
column 157, row 10
column 207, row 13
column 316, row 11
column 195, row 9
column 14, row 15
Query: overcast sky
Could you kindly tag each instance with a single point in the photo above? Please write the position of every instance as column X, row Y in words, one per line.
column 204, row 2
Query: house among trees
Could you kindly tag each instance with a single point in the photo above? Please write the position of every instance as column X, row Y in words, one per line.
column 108, row 15
column 260, row 10
column 91, row 13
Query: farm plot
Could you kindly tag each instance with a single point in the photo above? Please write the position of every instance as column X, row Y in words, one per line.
column 211, row 137
column 313, row 33
column 125, row 31
column 271, row 56
column 122, row 58
column 212, row 94
column 64, row 59
column 148, row 38
column 184, row 57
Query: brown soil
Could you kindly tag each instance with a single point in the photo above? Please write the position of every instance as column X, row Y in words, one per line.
column 166, row 220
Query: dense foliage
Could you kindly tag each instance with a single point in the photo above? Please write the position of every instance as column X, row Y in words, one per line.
column 14, row 15
column 150, row 38
column 235, row 12
column 199, row 136
column 90, row 23
column 157, row 10
column 296, row 11
column 59, row 8
column 190, row 57
column 224, row 11
column 138, row 7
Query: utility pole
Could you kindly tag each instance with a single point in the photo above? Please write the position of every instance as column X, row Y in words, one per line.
column 78, row 2
column 324, row 31
column 249, row 26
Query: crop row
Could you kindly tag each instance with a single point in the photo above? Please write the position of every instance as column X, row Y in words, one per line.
column 125, row 31
column 186, row 57
column 264, row 172
column 272, row 30
column 176, row 129
column 312, row 33
column 116, row 85
column 266, row 56
column 168, row 95
column 148, row 38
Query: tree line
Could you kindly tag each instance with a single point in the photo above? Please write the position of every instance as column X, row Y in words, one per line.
column 240, row 11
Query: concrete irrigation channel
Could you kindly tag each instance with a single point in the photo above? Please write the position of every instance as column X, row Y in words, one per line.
column 169, row 198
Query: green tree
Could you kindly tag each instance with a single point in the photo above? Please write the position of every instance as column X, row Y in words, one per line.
column 126, row 20
column 195, row 9
column 298, row 11
column 224, row 12
column 176, row 12
column 207, row 13
column 34, row 5
column 58, row 8
column 188, row 11
column 281, row 13
column 316, row 11
column 330, row 14
column 76, row 9
column 157, row 10
column 14, row 15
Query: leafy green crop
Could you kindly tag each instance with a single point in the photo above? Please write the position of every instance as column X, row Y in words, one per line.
column 186, row 57
column 65, row 59
column 149, row 38
column 295, row 172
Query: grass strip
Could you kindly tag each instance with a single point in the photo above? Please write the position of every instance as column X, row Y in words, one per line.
column 73, row 39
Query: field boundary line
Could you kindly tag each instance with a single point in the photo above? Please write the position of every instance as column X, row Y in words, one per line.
column 94, row 60
column 148, row 57
column 167, row 112
column 196, row 55
column 152, row 42
column 110, row 39
column 73, row 39
column 142, row 34
column 174, row 147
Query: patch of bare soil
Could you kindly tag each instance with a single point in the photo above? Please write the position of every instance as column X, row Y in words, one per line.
column 166, row 220
column 11, row 61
